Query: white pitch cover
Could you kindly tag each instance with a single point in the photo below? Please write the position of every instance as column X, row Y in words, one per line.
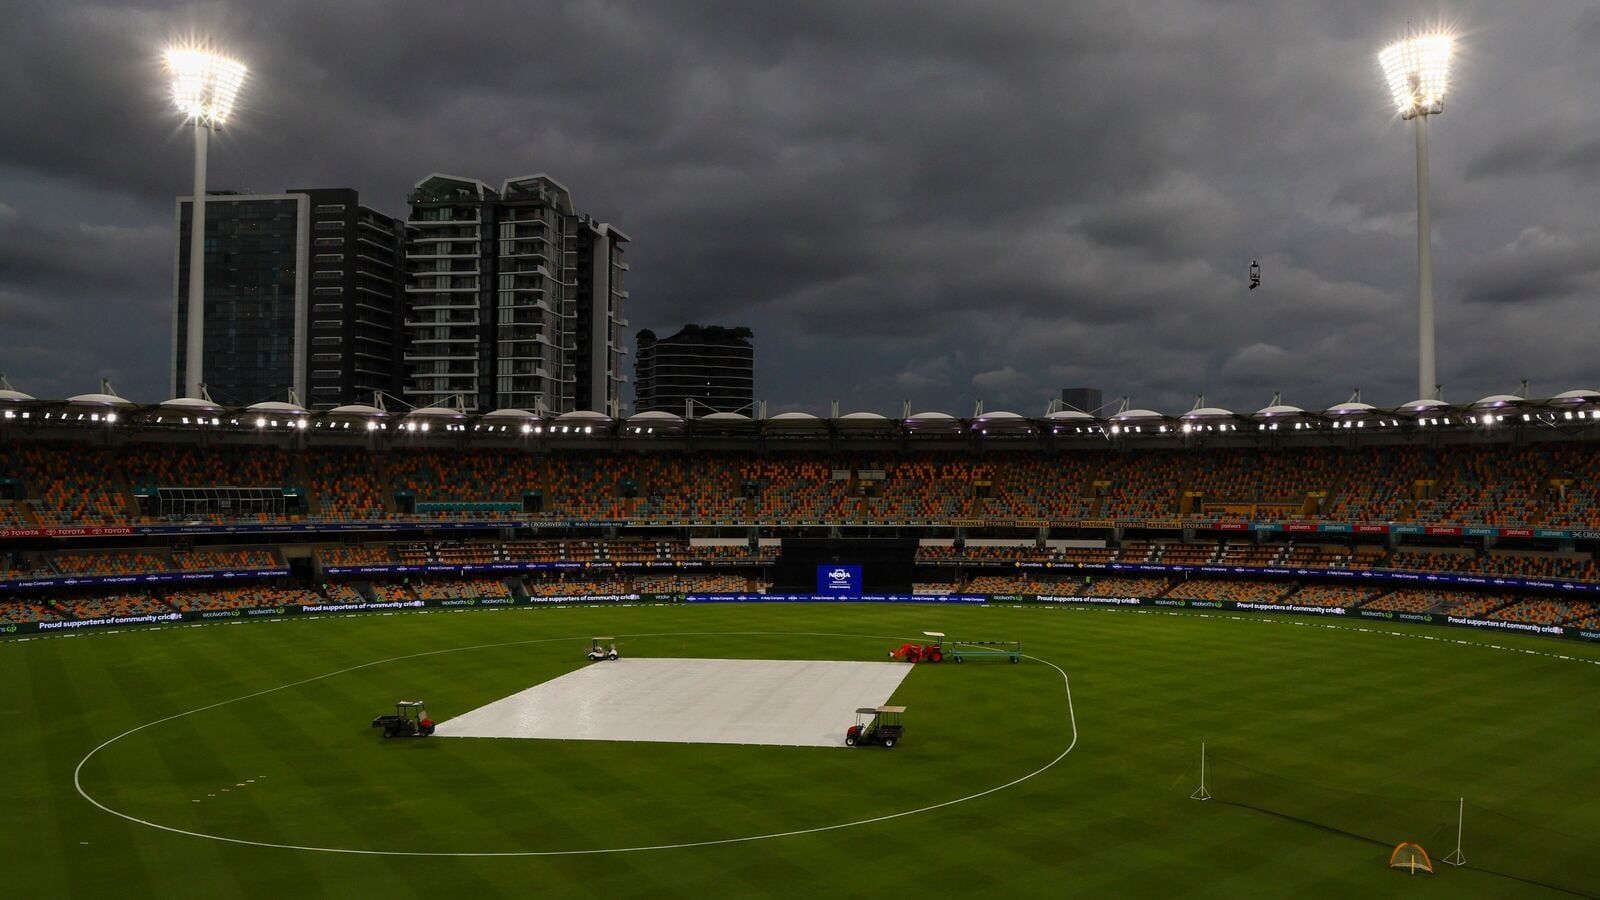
column 799, row 703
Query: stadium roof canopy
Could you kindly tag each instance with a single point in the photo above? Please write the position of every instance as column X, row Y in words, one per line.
column 933, row 422
column 795, row 423
column 509, row 415
column 1569, row 409
column 1002, row 422
column 98, row 400
column 190, row 404
column 1578, row 396
column 1421, row 407
column 1495, row 401
column 1279, row 411
column 1208, row 412
column 655, row 421
column 1352, row 408
column 357, row 411
column 278, row 406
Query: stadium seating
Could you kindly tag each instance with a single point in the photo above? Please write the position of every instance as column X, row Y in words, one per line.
column 1126, row 587
column 469, row 588
column 340, row 592
column 1411, row 600
column 252, row 597
column 346, row 484
column 99, row 606
column 112, row 562
column 391, row 592
column 16, row 612
column 375, row 555
column 1555, row 485
column 239, row 558
column 1238, row 591
column 1331, row 595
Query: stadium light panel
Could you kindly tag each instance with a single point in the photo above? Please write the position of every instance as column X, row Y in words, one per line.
column 204, row 84
column 1418, row 72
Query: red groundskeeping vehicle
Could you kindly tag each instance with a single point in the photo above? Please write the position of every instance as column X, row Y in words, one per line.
column 915, row 653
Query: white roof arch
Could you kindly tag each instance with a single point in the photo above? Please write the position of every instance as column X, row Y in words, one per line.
column 1581, row 395
column 587, row 416
column 98, row 400
column 190, row 404
column 509, row 415
column 1418, row 407
column 1137, row 415
column 1352, row 408
column 1208, row 412
column 654, row 415
column 357, row 411
column 1070, row 415
column 278, row 406
column 1279, row 410
column 1494, row 400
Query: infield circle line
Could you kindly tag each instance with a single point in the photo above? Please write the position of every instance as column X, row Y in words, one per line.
column 77, row 771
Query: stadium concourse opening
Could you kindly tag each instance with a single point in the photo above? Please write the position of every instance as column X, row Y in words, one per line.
column 888, row 565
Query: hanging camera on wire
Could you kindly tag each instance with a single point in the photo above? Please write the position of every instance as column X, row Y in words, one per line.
column 1255, row 275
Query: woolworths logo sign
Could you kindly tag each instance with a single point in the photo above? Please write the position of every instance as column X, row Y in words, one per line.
column 8, row 629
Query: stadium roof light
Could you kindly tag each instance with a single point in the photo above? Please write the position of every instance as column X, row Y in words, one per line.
column 204, row 84
column 1418, row 72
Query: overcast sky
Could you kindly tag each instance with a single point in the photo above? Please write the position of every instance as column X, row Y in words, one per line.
column 940, row 201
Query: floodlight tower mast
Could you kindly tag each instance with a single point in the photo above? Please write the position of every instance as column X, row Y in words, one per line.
column 1417, row 70
column 204, row 85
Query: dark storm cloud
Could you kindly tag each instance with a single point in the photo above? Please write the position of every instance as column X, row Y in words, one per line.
column 934, row 202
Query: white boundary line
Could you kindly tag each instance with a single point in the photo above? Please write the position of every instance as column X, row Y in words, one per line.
column 78, row 770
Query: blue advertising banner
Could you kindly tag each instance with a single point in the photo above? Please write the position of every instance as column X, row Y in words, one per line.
column 839, row 580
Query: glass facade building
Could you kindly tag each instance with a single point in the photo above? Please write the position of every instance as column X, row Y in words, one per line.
column 255, row 296
column 302, row 293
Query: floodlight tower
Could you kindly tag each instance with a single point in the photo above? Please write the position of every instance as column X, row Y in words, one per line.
column 1418, row 72
column 204, row 85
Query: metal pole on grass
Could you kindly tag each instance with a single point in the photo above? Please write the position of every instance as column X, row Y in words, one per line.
column 1456, row 857
column 1201, row 793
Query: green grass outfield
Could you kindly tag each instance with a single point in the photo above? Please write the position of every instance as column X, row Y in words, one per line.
column 1341, row 737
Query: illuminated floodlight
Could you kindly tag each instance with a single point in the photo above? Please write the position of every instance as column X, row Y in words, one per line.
column 204, row 84
column 1418, row 72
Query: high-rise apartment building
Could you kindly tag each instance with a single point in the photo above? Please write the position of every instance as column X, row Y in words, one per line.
column 513, row 298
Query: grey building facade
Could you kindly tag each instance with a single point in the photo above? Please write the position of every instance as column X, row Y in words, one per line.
column 1081, row 398
column 301, row 292
column 709, row 366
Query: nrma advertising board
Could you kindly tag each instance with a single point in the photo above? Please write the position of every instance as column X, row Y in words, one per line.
column 837, row 580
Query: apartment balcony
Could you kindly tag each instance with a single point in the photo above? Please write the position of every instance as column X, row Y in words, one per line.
column 452, row 323
column 429, row 254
